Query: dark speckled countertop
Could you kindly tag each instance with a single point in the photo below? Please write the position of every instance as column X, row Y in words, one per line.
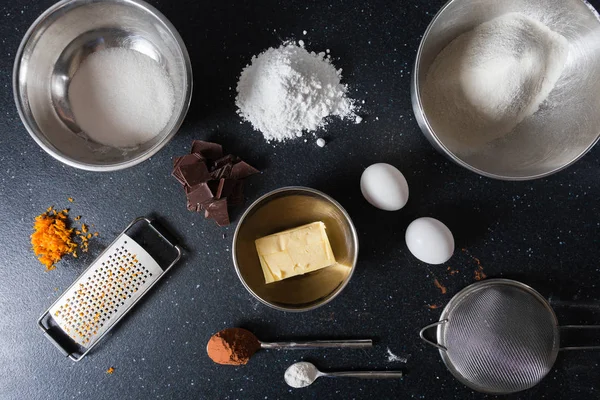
column 544, row 233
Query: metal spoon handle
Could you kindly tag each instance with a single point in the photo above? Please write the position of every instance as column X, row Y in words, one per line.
column 365, row 374
column 318, row 344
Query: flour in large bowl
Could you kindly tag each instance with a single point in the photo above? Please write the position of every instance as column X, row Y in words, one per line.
column 488, row 80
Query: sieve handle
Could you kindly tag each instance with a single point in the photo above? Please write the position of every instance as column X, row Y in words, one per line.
column 580, row 327
column 429, row 342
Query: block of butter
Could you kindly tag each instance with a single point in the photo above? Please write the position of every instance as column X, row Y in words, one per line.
column 294, row 252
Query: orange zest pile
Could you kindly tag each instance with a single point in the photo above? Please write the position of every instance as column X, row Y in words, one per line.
column 52, row 237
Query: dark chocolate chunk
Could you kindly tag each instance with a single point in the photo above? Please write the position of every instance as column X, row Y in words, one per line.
column 222, row 188
column 221, row 162
column 199, row 156
column 210, row 151
column 217, row 210
column 237, row 194
column 185, row 160
column 192, row 206
column 177, row 175
column 226, row 187
column 212, row 182
column 194, row 174
column 176, row 160
column 199, row 194
column 242, row 170
column 223, row 172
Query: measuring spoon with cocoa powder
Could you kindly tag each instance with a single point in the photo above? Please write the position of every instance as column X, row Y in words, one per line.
column 235, row 346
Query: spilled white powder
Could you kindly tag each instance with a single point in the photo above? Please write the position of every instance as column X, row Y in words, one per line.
column 392, row 357
column 121, row 97
column 287, row 91
column 488, row 80
column 300, row 374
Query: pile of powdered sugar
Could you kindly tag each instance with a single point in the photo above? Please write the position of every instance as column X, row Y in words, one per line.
column 300, row 374
column 488, row 80
column 287, row 91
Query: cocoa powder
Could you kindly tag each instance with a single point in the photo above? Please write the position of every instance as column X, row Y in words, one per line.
column 233, row 346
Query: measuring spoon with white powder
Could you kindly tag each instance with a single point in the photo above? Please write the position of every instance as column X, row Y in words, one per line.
column 303, row 374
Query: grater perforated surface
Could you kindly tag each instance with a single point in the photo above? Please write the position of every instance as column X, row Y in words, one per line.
column 105, row 291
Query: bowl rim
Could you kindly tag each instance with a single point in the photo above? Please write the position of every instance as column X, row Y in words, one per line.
column 432, row 136
column 339, row 289
column 36, row 133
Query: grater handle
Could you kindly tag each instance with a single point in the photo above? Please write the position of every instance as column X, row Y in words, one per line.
column 162, row 231
column 55, row 343
column 45, row 323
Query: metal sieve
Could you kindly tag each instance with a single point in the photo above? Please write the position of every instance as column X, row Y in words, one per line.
column 499, row 336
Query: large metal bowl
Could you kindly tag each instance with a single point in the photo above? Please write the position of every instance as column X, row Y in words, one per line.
column 565, row 127
column 50, row 54
column 288, row 208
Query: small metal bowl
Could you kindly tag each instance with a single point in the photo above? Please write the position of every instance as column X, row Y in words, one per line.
column 565, row 127
column 287, row 208
column 50, row 54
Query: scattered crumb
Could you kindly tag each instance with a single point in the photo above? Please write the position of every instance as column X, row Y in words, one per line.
column 110, row 371
column 433, row 306
column 304, row 32
column 440, row 286
column 452, row 271
column 71, row 199
column 321, row 142
column 301, row 43
column 358, row 119
column 392, row 357
column 479, row 274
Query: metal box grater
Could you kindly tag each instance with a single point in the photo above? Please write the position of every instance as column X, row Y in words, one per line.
column 109, row 287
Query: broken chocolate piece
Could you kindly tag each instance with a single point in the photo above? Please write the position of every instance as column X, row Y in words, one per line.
column 188, row 159
column 222, row 188
column 212, row 182
column 199, row 194
column 194, row 174
column 242, row 170
column 210, row 151
column 237, row 194
column 176, row 160
column 221, row 162
column 217, row 210
column 223, row 172
column 226, row 187
column 192, row 207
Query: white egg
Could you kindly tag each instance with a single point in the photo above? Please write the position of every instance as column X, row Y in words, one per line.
column 384, row 187
column 430, row 240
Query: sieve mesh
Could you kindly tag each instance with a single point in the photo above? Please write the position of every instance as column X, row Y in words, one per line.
column 500, row 338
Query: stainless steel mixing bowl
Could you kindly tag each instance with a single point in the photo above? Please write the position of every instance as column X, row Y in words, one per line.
column 288, row 208
column 54, row 47
column 567, row 124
